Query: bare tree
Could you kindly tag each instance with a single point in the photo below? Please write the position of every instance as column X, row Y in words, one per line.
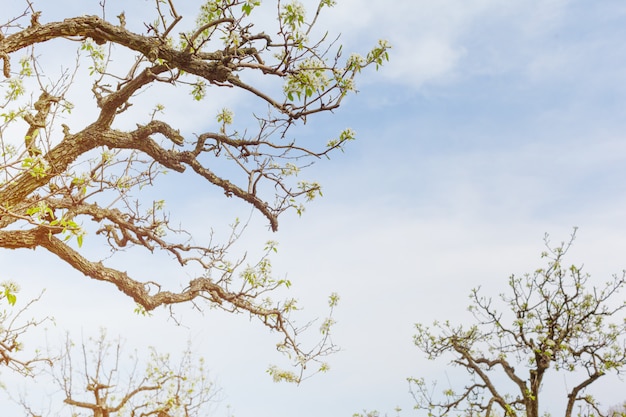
column 62, row 176
column 552, row 320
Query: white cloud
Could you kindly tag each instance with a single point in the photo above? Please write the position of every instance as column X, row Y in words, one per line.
column 407, row 228
column 434, row 41
column 420, row 61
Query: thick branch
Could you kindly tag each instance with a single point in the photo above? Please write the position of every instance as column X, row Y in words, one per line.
column 138, row 292
column 59, row 159
column 572, row 397
column 473, row 365
column 140, row 140
column 231, row 189
column 508, row 369
column 23, row 239
column 101, row 31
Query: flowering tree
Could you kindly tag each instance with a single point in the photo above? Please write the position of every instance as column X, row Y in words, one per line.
column 64, row 179
column 552, row 320
column 100, row 378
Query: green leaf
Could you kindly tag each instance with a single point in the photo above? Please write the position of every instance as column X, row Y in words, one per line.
column 11, row 298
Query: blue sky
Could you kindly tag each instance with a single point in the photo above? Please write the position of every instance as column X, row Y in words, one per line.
column 494, row 123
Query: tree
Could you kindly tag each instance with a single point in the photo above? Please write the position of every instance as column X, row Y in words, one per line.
column 100, row 378
column 552, row 320
column 65, row 179
column 617, row 410
column 12, row 326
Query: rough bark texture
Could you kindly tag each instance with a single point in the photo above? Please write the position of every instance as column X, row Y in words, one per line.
column 60, row 180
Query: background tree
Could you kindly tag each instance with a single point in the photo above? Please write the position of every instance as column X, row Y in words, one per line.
column 617, row 410
column 13, row 325
column 65, row 178
column 100, row 378
column 554, row 319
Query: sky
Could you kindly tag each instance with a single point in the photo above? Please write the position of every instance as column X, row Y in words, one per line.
column 493, row 124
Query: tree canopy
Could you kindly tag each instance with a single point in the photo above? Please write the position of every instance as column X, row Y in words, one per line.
column 72, row 172
column 555, row 319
